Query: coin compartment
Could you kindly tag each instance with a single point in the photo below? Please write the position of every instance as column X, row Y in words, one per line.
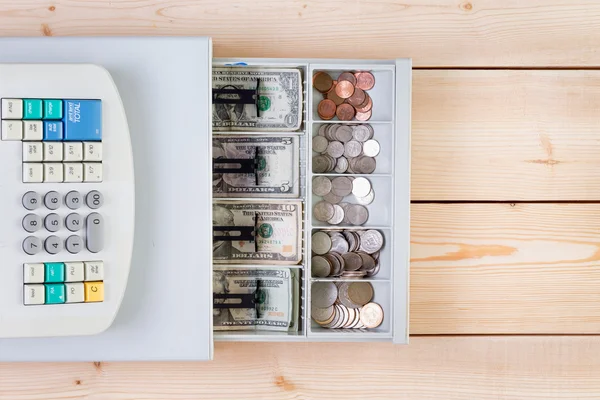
column 383, row 133
column 382, row 93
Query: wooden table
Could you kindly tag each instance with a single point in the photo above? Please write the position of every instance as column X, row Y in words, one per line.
column 505, row 279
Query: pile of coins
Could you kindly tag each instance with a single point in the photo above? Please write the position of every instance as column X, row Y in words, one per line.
column 347, row 254
column 345, row 305
column 345, row 149
column 345, row 97
column 332, row 210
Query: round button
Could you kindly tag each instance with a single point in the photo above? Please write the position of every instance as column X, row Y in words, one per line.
column 74, row 244
column 52, row 200
column 32, row 245
column 73, row 222
column 73, row 200
column 52, row 222
column 94, row 199
column 32, row 222
column 31, row 200
column 53, row 244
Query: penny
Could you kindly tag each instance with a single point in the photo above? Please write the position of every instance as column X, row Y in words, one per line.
column 323, row 211
column 360, row 133
column 357, row 98
column 360, row 293
column 339, row 243
column 338, row 215
column 371, row 241
column 320, row 267
column 353, row 261
column 322, row 81
column 335, row 149
column 323, row 294
column 352, row 149
column 341, row 165
column 341, row 186
column 344, row 133
column 371, row 148
column 321, row 315
column 367, row 104
column 319, row 144
column 333, row 199
column 360, row 187
column 346, row 112
column 347, row 76
column 326, row 109
column 365, row 80
column 362, row 116
column 371, row 315
column 344, row 89
column 320, row 243
column 357, row 214
column 321, row 185
column 332, row 95
column 368, row 199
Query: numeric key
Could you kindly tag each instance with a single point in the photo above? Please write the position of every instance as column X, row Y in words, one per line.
column 32, row 245
column 94, row 199
column 53, row 245
column 31, row 200
column 52, row 222
column 32, row 223
column 52, row 200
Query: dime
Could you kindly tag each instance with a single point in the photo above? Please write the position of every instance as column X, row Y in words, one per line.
column 352, row 149
column 365, row 80
column 319, row 144
column 359, row 293
column 323, row 294
column 371, row 241
column 360, row 187
column 371, row 148
column 322, row 81
column 326, row 109
column 338, row 215
column 371, row 315
column 341, row 186
column 346, row 112
column 320, row 267
column 320, row 242
column 324, row 211
column 321, row 185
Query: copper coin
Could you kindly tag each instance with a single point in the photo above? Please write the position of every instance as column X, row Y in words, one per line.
column 332, row 95
column 345, row 112
column 344, row 89
column 357, row 98
column 365, row 80
column 347, row 76
column 363, row 116
column 366, row 105
column 326, row 109
column 322, row 81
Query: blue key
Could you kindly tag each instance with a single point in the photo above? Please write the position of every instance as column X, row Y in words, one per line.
column 83, row 120
column 54, row 272
column 55, row 293
column 53, row 130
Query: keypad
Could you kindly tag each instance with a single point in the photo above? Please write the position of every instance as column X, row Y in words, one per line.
column 63, row 282
column 62, row 139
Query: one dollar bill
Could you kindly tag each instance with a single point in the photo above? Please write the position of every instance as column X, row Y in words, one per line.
column 273, row 293
column 277, row 173
column 279, row 103
column 277, row 227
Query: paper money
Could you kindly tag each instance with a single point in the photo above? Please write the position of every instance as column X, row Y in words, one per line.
column 277, row 226
column 275, row 292
column 278, row 166
column 279, row 106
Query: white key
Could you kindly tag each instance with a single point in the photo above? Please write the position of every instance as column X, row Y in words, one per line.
column 74, row 272
column 33, row 130
column 92, row 151
column 33, row 173
column 53, row 151
column 94, row 270
column 33, row 152
column 12, row 130
column 53, row 172
column 33, row 273
column 12, row 109
column 33, row 294
column 73, row 151
column 73, row 172
column 74, row 292
column 92, row 172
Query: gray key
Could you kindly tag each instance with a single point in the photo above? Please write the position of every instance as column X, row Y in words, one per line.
column 73, row 200
column 31, row 200
column 95, row 232
column 74, row 244
column 94, row 199
column 32, row 222
column 52, row 200
column 53, row 244
column 74, row 222
column 52, row 222
column 32, row 245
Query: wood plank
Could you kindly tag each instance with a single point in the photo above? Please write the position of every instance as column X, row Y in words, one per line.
column 506, row 368
column 506, row 269
column 434, row 33
column 505, row 135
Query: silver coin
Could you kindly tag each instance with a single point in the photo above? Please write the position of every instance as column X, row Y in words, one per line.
column 336, row 265
column 350, row 239
column 335, row 149
column 320, row 242
column 338, row 215
column 319, row 144
column 352, row 148
column 376, row 255
column 368, row 199
column 371, row 148
column 365, row 165
column 361, row 187
column 321, row 185
column 344, row 133
column 368, row 263
column 339, row 243
column 353, row 261
column 341, row 186
column 371, row 130
column 323, row 294
column 330, row 132
column 322, row 130
column 332, row 198
column 373, row 271
column 320, row 267
column 361, row 133
column 323, row 211
column 320, row 164
column 371, row 241
column 357, row 214
column 341, row 165
column 321, row 315
column 345, row 206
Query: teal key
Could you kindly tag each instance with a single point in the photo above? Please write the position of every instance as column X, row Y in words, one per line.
column 55, row 272
column 55, row 293
column 32, row 109
column 53, row 109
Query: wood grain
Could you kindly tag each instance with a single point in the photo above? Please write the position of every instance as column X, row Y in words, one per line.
column 471, row 368
column 501, row 268
column 432, row 32
column 505, row 135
